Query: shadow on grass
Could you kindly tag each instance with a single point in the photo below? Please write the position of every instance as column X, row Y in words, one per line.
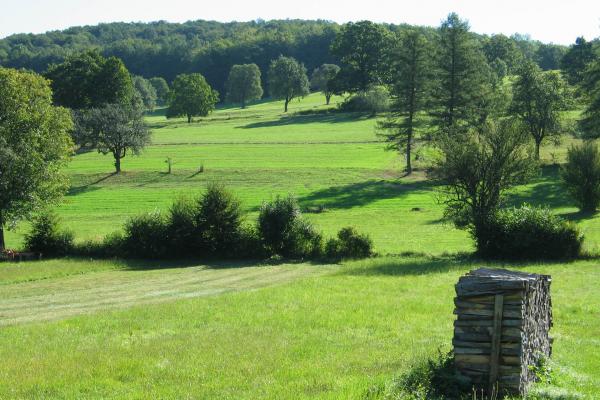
column 546, row 190
column 413, row 264
column 361, row 194
column 88, row 187
column 298, row 119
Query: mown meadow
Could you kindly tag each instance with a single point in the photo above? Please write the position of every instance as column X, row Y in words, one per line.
column 74, row 328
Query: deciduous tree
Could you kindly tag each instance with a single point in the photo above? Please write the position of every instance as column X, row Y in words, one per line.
column 538, row 99
column 576, row 59
column 287, row 80
column 146, row 92
column 117, row 129
column 34, row 146
column 243, row 84
column 87, row 80
column 162, row 90
column 191, row 96
column 321, row 79
column 363, row 48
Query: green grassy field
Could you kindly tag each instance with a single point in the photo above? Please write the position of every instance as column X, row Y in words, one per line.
column 115, row 329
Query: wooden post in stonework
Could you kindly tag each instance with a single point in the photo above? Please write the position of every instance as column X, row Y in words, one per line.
column 501, row 329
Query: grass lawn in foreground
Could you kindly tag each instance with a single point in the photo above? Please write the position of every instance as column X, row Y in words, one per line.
column 332, row 332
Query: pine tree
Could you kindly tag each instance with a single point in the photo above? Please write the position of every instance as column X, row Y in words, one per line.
column 410, row 90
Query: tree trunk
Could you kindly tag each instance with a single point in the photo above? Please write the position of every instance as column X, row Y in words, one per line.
column 287, row 101
column 537, row 149
column 118, row 163
column 189, row 117
column 2, row 243
column 408, row 150
column 243, row 104
column 327, row 98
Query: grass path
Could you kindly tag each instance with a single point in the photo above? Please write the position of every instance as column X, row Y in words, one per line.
column 59, row 297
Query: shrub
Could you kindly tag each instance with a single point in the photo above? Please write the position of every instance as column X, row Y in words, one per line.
column 529, row 233
column 581, row 175
column 349, row 244
column 182, row 229
column 219, row 221
column 47, row 238
column 146, row 236
column 111, row 246
column 375, row 100
column 284, row 232
column 250, row 245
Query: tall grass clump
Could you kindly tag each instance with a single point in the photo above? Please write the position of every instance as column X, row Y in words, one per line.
column 581, row 175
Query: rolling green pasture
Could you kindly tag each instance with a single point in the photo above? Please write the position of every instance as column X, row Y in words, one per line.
column 321, row 157
column 87, row 329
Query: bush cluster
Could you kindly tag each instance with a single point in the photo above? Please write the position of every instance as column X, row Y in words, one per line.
column 212, row 226
column 47, row 238
column 374, row 100
column 529, row 233
column 349, row 244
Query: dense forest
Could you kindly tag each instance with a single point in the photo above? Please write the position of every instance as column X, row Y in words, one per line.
column 163, row 49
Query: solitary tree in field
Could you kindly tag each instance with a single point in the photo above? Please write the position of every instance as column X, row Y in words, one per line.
column 114, row 128
column 362, row 47
column 321, row 79
column 478, row 167
column 243, row 84
column 287, row 79
column 162, row 90
column 538, row 99
column 410, row 88
column 146, row 92
column 463, row 77
column 89, row 80
column 191, row 96
column 34, row 146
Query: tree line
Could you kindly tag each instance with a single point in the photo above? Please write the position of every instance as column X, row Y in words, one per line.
column 162, row 49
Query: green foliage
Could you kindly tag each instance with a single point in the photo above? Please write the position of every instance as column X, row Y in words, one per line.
column 35, row 145
column 528, row 233
column 463, row 80
column 321, row 79
column 576, row 59
column 146, row 236
column 244, row 84
column 549, row 56
column 284, row 232
column 500, row 68
column 375, row 100
column 590, row 122
column 478, row 167
column 117, row 129
column 581, row 175
column 183, row 234
column 363, row 49
column 46, row 236
column 146, row 92
column 410, row 85
column 500, row 48
column 113, row 245
column 191, row 96
column 538, row 99
column 349, row 244
column 287, row 79
column 219, row 221
column 89, row 80
column 161, row 87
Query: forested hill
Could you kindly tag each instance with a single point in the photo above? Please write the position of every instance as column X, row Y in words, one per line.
column 167, row 49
